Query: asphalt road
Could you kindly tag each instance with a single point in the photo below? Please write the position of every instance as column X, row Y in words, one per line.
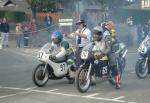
column 16, row 84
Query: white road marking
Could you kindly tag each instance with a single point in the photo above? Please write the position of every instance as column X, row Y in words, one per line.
column 5, row 96
column 64, row 94
column 53, row 90
column 30, row 88
column 121, row 97
column 92, row 95
column 12, row 88
column 105, row 99
column 25, row 92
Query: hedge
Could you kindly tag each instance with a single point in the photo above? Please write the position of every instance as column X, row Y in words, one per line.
column 12, row 16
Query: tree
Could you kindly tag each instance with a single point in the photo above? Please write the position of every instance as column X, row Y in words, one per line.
column 41, row 5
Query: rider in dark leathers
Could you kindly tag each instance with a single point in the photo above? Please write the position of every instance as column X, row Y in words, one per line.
column 111, row 52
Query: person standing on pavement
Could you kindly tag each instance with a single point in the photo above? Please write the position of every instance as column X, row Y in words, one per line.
column 48, row 22
column 34, row 32
column 83, row 37
column 19, row 34
column 4, row 33
column 26, row 36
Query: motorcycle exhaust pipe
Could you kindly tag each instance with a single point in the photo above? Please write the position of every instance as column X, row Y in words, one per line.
column 124, row 54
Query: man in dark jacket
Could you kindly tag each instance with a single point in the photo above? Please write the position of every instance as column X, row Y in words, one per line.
column 4, row 33
column 48, row 22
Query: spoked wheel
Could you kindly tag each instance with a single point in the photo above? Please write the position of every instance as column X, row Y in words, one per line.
column 82, row 83
column 141, row 72
column 40, row 78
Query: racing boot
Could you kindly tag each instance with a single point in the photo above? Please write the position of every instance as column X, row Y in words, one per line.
column 93, row 80
column 117, row 79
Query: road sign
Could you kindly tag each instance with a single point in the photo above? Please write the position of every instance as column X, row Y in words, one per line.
column 65, row 22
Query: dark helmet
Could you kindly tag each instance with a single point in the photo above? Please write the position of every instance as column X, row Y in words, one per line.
column 81, row 22
column 97, row 33
column 57, row 37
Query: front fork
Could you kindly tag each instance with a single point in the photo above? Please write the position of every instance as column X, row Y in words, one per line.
column 45, row 67
column 89, row 70
column 124, row 54
column 145, row 64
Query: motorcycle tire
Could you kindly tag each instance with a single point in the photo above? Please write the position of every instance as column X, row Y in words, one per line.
column 38, row 78
column 139, row 69
column 80, row 80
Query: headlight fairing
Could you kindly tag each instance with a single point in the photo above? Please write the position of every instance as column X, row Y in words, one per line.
column 142, row 49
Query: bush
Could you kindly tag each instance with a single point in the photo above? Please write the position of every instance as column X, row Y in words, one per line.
column 13, row 16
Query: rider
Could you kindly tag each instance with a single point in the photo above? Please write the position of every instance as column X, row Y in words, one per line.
column 111, row 54
column 114, row 38
column 104, row 42
column 61, row 47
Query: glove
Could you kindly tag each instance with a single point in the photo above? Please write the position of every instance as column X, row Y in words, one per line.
column 52, row 57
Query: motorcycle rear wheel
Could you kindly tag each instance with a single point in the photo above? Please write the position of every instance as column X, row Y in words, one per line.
column 81, row 83
column 38, row 78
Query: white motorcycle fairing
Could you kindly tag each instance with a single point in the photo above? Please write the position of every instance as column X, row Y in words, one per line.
column 60, row 69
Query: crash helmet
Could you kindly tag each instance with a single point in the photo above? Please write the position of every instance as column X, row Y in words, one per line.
column 57, row 37
column 97, row 33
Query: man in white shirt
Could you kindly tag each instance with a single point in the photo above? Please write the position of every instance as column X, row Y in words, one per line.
column 83, row 37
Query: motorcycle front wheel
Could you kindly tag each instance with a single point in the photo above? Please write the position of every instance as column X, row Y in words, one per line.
column 82, row 83
column 40, row 78
column 141, row 72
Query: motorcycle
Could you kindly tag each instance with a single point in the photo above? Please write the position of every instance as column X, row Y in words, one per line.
column 142, row 67
column 48, row 69
column 92, row 66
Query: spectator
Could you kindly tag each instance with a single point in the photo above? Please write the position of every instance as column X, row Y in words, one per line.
column 26, row 36
column 19, row 34
column 34, row 33
column 83, row 37
column 48, row 22
column 4, row 33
